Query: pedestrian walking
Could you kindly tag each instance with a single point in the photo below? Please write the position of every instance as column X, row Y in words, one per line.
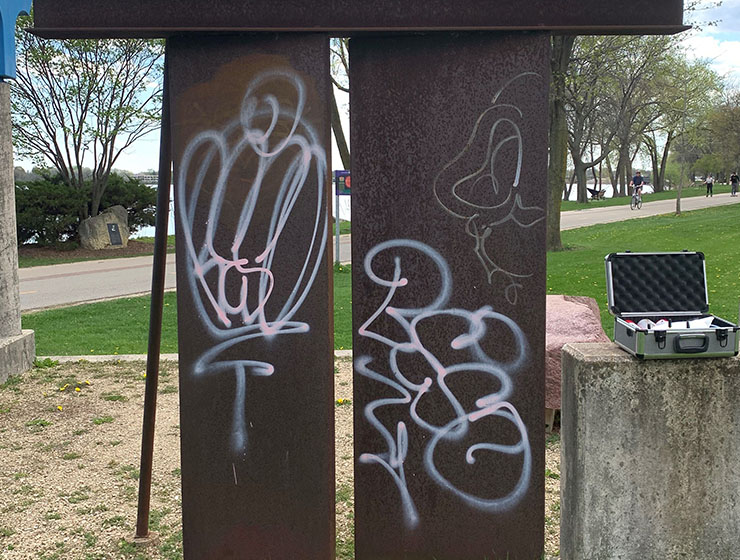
column 734, row 182
column 710, row 184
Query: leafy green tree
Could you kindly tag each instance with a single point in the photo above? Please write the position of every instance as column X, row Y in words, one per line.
column 81, row 103
column 48, row 208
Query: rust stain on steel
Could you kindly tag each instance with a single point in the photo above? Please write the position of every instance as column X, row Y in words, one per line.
column 153, row 18
column 449, row 160
column 251, row 129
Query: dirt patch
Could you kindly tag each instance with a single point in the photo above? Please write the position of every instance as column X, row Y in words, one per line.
column 69, row 463
column 133, row 249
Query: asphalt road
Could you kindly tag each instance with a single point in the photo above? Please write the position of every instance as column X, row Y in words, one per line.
column 65, row 284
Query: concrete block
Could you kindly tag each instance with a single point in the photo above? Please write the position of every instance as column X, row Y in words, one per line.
column 650, row 456
column 16, row 354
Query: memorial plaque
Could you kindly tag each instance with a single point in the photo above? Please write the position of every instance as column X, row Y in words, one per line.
column 114, row 234
column 448, row 239
column 252, row 191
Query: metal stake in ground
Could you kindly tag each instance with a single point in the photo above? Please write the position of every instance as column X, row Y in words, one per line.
column 155, row 314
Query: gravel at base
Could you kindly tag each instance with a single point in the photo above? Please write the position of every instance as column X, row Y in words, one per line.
column 69, row 477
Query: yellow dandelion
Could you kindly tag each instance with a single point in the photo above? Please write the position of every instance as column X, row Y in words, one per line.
column 77, row 389
column 59, row 408
column 87, row 382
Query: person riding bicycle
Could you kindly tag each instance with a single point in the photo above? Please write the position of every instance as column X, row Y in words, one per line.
column 637, row 182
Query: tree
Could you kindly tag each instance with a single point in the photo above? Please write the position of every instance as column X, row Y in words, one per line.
column 562, row 48
column 80, row 103
column 340, row 79
column 686, row 91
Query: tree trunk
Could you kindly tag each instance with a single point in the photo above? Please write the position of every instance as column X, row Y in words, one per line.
column 581, row 180
column 562, row 46
column 664, row 161
column 336, row 126
column 612, row 176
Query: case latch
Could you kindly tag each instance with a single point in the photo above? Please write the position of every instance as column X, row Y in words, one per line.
column 722, row 337
column 660, row 339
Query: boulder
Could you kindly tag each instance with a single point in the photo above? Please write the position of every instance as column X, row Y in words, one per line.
column 568, row 319
column 95, row 232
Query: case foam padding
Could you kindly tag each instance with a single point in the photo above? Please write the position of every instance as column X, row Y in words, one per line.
column 658, row 282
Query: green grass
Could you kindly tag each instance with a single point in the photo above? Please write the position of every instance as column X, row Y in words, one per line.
column 121, row 326
column 580, row 270
column 689, row 192
column 112, row 327
column 342, row 307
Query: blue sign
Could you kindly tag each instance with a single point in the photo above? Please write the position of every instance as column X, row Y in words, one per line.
column 342, row 182
column 9, row 12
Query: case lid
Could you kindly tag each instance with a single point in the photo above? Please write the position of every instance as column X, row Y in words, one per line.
column 656, row 283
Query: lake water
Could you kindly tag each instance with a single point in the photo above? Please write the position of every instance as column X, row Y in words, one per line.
column 345, row 212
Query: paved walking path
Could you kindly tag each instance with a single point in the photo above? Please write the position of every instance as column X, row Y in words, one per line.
column 582, row 218
column 65, row 284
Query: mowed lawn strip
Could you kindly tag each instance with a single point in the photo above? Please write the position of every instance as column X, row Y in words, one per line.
column 713, row 231
column 121, row 326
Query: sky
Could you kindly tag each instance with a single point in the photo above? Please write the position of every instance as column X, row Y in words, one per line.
column 720, row 44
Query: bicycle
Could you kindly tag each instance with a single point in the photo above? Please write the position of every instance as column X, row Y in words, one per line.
column 636, row 201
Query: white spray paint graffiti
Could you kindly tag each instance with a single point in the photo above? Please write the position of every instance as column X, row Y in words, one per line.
column 469, row 345
column 267, row 137
column 482, row 198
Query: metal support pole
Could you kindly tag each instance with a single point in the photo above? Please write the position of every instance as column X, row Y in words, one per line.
column 155, row 314
column 336, row 241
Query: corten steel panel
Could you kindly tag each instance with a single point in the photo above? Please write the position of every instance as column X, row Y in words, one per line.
column 251, row 130
column 160, row 17
column 449, row 147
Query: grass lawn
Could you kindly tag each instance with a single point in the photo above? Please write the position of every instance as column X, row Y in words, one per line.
column 690, row 192
column 714, row 231
column 121, row 326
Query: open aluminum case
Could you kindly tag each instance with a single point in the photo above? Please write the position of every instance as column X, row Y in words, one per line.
column 671, row 286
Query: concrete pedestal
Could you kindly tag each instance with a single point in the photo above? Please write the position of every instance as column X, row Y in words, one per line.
column 16, row 354
column 650, row 456
column 16, row 348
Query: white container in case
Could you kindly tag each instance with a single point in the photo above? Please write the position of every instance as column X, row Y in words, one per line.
column 662, row 288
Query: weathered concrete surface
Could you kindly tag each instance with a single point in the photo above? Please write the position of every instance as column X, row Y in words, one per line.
column 650, row 456
column 567, row 319
column 16, row 348
column 10, row 307
column 16, row 354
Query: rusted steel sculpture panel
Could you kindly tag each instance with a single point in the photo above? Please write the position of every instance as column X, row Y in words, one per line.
column 448, row 239
column 251, row 129
column 155, row 18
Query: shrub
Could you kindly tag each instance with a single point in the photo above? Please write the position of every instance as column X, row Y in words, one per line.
column 49, row 210
column 138, row 199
